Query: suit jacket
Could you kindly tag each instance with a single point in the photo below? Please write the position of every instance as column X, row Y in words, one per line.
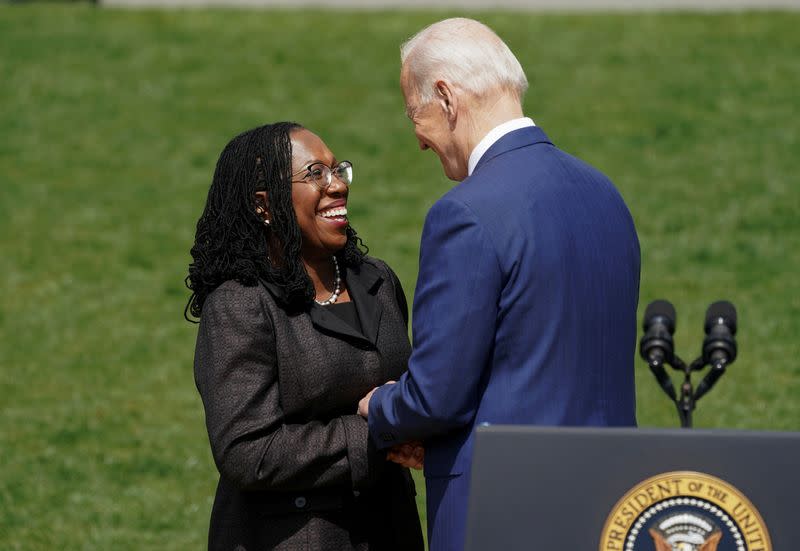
column 525, row 313
column 280, row 391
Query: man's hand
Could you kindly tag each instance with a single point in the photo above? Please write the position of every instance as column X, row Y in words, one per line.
column 410, row 454
column 363, row 404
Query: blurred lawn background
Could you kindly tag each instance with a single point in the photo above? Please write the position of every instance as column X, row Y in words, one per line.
column 111, row 123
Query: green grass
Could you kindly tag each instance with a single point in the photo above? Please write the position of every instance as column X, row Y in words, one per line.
column 111, row 123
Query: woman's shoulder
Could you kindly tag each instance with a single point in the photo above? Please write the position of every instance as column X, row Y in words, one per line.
column 234, row 287
column 236, row 295
column 386, row 271
column 379, row 264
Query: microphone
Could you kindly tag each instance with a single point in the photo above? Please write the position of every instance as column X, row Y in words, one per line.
column 656, row 346
column 719, row 346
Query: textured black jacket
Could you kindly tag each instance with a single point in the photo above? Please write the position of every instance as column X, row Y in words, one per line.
column 280, row 392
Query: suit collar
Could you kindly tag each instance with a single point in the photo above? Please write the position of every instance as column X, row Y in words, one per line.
column 363, row 287
column 513, row 140
column 492, row 136
column 363, row 283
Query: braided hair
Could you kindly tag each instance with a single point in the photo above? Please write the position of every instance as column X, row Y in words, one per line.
column 232, row 242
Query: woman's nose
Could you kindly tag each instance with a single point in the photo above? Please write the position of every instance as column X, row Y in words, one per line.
column 337, row 187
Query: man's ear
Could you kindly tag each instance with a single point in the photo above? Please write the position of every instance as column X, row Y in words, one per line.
column 447, row 99
column 262, row 205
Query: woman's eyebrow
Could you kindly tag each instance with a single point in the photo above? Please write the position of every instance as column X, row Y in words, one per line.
column 318, row 161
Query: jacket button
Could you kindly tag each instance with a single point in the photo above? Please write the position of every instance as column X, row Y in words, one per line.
column 300, row 502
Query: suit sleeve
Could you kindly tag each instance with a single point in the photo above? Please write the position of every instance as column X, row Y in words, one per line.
column 455, row 311
column 253, row 446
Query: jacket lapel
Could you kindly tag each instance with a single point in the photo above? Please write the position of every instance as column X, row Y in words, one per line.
column 514, row 140
column 362, row 284
column 331, row 323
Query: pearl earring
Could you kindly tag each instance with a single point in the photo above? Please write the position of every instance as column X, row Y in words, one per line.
column 260, row 211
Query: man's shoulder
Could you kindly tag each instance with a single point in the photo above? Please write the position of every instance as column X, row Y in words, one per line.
column 532, row 169
column 455, row 203
column 484, row 190
column 466, row 209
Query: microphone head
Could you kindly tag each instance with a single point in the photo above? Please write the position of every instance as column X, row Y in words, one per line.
column 722, row 312
column 663, row 309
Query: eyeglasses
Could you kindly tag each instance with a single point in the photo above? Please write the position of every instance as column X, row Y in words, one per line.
column 321, row 175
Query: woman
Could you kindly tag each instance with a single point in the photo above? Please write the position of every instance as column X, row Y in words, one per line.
column 296, row 324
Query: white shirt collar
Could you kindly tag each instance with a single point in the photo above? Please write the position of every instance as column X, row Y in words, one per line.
column 495, row 134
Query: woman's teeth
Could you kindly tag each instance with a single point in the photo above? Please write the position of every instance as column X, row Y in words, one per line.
column 334, row 213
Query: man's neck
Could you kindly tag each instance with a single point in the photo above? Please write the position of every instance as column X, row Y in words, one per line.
column 489, row 114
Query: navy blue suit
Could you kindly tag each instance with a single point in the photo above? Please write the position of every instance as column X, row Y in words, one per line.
column 524, row 313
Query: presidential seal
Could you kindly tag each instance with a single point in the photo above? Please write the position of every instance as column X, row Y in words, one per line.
column 684, row 511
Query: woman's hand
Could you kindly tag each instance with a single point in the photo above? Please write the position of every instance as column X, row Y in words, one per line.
column 363, row 404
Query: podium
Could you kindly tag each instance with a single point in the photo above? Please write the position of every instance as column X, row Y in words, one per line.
column 630, row 489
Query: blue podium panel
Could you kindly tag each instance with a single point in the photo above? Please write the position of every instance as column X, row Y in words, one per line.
column 629, row 489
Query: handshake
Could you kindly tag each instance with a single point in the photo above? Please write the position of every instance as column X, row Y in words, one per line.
column 409, row 454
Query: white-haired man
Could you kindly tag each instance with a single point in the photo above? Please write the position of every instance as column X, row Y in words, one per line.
column 525, row 307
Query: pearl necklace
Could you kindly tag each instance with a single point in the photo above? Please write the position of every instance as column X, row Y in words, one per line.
column 337, row 281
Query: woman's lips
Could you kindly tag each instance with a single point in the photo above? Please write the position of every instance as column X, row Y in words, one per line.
column 334, row 215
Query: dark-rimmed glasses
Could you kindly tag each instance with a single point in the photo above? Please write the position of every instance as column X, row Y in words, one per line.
column 321, row 175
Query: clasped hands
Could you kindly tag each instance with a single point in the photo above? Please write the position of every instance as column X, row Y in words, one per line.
column 408, row 454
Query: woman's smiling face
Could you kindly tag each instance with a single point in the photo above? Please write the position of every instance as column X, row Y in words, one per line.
column 321, row 214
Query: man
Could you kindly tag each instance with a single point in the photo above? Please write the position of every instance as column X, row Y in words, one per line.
column 525, row 308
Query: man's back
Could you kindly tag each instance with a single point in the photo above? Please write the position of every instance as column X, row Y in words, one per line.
column 566, row 289
column 569, row 254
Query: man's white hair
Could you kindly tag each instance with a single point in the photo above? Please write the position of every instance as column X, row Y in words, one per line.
column 464, row 52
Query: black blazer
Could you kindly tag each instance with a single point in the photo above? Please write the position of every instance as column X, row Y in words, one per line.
column 280, row 391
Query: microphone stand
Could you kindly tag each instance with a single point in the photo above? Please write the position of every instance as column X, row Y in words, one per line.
column 687, row 401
